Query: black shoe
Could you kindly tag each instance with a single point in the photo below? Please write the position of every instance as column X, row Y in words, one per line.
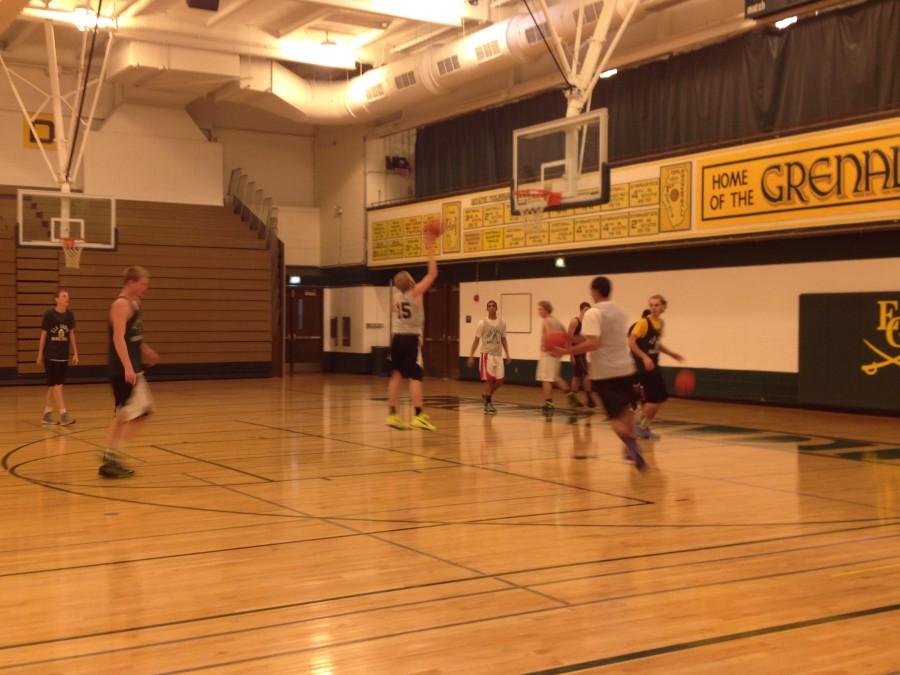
column 115, row 470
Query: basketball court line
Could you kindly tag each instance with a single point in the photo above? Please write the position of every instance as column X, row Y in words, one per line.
column 406, row 547
column 213, row 463
column 229, row 549
column 387, row 532
column 765, row 630
column 450, row 461
column 682, row 646
column 399, row 589
column 14, row 472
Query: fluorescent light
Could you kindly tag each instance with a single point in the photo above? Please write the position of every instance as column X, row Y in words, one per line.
column 294, row 281
column 319, row 54
column 83, row 18
column 560, row 262
column 784, row 23
column 606, row 74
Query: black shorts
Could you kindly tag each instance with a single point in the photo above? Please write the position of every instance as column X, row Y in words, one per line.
column 579, row 365
column 56, row 372
column 617, row 394
column 653, row 385
column 121, row 390
column 406, row 356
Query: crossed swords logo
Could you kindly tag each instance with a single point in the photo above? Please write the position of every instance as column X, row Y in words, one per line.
column 875, row 366
column 889, row 322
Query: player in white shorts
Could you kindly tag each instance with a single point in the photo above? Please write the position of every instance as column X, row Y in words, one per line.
column 491, row 332
column 548, row 364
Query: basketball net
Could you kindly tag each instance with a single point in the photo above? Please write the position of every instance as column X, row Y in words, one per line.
column 72, row 249
column 532, row 203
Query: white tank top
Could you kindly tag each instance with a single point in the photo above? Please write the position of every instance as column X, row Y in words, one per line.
column 409, row 315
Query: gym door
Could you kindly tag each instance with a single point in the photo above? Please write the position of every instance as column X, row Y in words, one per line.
column 303, row 337
column 441, row 340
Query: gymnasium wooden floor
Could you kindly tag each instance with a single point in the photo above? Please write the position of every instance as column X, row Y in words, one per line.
column 278, row 526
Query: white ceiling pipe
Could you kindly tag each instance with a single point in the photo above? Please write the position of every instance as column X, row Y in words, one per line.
column 376, row 92
column 437, row 70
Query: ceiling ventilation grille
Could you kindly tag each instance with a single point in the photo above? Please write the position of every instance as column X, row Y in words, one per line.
column 448, row 65
column 405, row 80
column 488, row 50
column 375, row 92
column 591, row 12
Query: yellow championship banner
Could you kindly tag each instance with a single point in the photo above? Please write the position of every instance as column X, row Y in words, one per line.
column 835, row 177
column 814, row 177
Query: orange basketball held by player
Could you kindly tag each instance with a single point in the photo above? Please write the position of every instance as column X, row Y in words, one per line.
column 556, row 339
column 433, row 228
column 685, row 382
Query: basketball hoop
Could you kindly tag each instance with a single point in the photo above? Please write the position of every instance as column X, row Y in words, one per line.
column 531, row 203
column 72, row 249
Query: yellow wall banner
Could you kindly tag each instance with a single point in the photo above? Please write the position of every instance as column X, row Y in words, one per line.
column 835, row 177
column 838, row 172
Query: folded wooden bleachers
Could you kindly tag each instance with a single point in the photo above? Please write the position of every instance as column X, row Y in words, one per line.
column 209, row 309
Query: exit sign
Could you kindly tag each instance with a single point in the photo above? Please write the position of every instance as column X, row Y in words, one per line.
column 757, row 9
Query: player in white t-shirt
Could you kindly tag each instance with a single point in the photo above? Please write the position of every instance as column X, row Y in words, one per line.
column 491, row 332
column 605, row 331
column 548, row 363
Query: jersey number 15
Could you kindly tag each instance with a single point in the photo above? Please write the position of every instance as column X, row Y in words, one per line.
column 404, row 310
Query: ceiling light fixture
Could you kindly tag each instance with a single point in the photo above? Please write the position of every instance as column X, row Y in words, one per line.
column 85, row 18
column 329, row 53
column 82, row 17
column 784, row 23
column 606, row 74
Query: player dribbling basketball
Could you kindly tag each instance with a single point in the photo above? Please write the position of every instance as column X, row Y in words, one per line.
column 548, row 363
column 645, row 343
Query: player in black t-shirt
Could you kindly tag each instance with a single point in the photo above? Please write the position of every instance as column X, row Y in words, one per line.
column 580, row 377
column 128, row 356
column 56, row 349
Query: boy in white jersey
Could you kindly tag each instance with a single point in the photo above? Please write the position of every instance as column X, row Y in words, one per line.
column 492, row 334
column 406, row 342
column 548, row 363
column 605, row 331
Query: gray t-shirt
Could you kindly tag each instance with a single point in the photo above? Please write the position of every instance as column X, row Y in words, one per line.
column 409, row 314
column 607, row 321
column 491, row 332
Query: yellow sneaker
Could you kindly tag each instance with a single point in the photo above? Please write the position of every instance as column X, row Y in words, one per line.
column 422, row 421
column 397, row 423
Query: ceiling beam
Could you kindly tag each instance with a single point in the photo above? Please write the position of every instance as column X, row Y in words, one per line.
column 304, row 22
column 138, row 8
column 9, row 10
column 120, row 7
column 223, row 14
column 25, row 31
column 430, row 11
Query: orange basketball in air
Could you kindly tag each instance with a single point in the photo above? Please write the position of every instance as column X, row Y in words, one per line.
column 433, row 227
column 556, row 339
column 685, row 382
